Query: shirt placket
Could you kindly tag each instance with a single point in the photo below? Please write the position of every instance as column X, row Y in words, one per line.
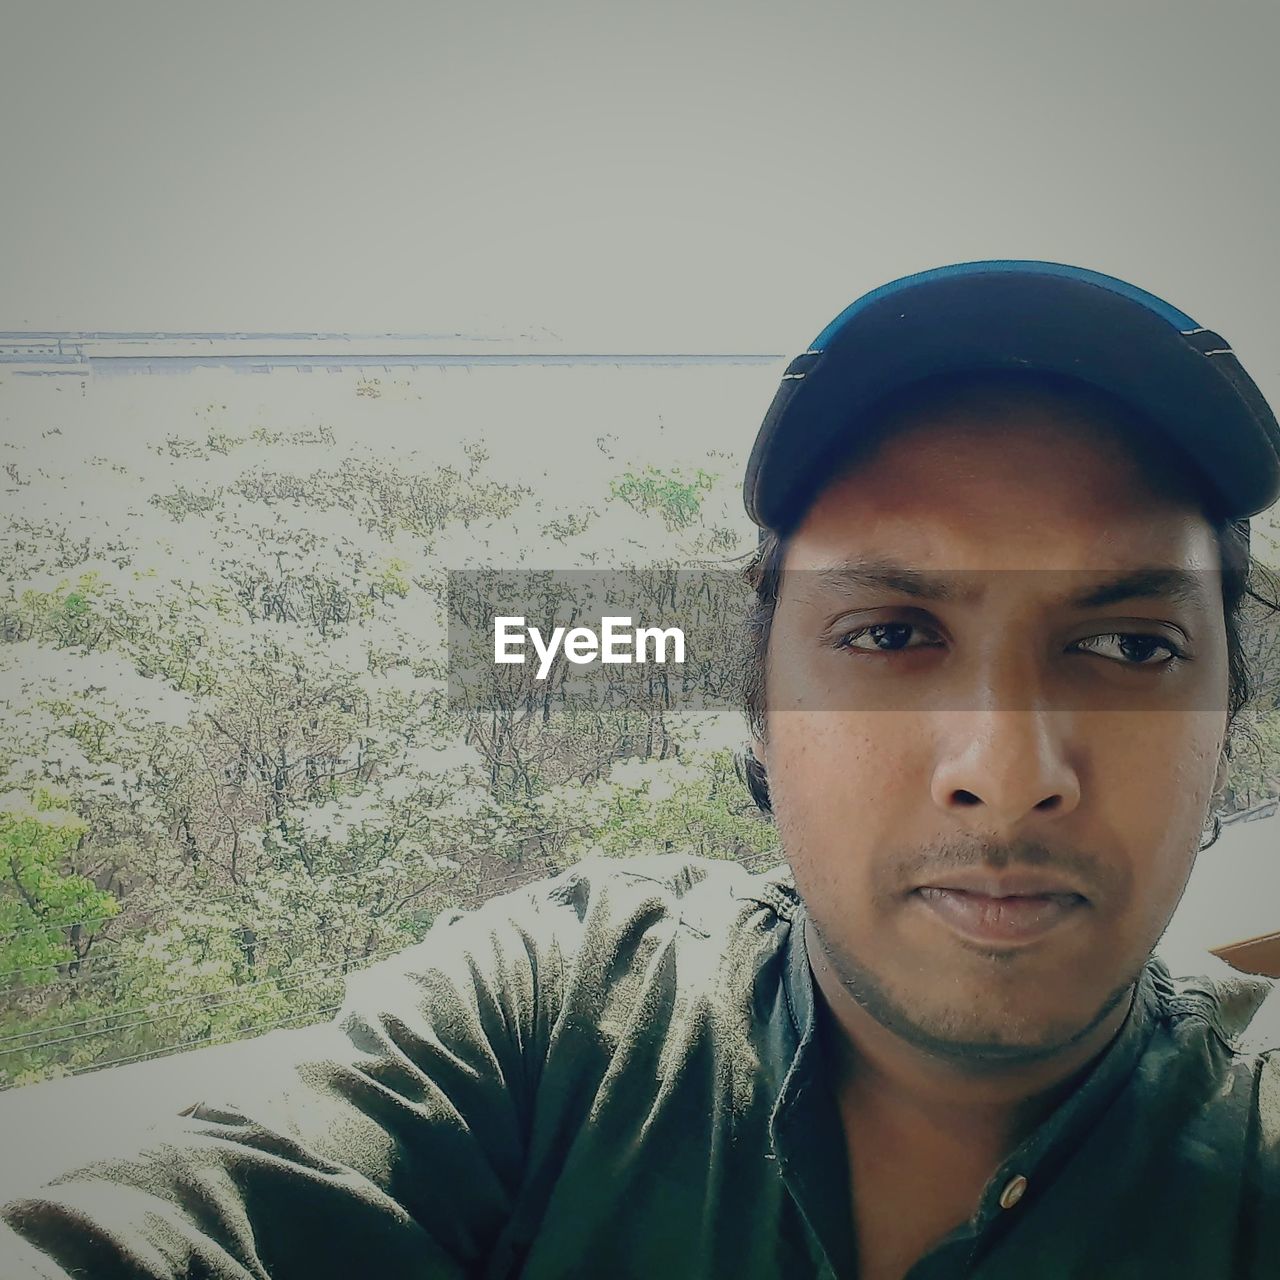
column 809, row 1143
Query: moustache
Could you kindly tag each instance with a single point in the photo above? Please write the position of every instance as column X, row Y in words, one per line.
column 1019, row 866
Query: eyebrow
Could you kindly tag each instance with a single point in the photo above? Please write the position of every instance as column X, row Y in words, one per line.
column 884, row 575
column 1181, row 586
column 1178, row 586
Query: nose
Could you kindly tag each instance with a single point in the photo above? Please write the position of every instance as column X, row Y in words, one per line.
column 999, row 769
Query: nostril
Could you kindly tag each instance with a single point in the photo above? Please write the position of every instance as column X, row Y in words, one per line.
column 966, row 798
column 1049, row 802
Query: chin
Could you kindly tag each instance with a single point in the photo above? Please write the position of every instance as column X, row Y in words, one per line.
column 978, row 1035
column 997, row 1039
column 977, row 1027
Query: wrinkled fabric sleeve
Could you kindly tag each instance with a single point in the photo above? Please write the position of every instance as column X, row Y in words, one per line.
column 1259, row 1227
column 389, row 1142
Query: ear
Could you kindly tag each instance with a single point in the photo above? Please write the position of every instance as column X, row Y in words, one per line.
column 1220, row 778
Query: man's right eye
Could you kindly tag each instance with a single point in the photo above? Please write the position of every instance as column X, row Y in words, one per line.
column 883, row 637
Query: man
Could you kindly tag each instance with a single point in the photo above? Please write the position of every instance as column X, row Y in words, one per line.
column 1004, row 550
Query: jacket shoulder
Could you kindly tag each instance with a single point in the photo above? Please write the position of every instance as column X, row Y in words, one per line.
column 1268, row 1114
column 706, row 893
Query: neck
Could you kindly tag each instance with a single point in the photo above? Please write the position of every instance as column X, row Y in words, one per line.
column 990, row 1108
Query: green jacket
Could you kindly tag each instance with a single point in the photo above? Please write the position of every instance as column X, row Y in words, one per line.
column 614, row 1074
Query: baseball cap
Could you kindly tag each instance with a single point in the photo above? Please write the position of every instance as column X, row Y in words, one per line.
column 1189, row 390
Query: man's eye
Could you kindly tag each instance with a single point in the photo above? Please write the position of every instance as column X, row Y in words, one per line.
column 882, row 637
column 1131, row 648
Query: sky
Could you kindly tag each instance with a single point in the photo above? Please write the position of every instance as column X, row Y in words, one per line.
column 668, row 176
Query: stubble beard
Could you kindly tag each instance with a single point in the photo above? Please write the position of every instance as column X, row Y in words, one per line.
column 950, row 1036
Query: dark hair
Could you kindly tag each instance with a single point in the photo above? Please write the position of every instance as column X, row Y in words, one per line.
column 1240, row 575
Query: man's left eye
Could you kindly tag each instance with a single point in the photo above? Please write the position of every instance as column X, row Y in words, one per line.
column 1132, row 648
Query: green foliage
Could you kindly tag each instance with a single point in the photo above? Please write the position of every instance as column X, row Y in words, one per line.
column 233, row 772
column 261, row 783
column 676, row 499
column 61, row 615
column 1254, row 774
column 685, row 806
column 39, row 896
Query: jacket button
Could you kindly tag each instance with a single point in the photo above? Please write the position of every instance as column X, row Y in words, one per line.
column 1013, row 1191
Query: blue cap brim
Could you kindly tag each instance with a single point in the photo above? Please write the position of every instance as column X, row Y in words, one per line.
column 1182, row 379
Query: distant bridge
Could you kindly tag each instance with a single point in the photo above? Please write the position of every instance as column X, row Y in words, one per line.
column 80, row 354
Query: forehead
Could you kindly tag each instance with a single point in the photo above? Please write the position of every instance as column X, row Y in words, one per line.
column 999, row 472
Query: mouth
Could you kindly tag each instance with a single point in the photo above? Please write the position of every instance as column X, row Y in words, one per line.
column 1002, row 913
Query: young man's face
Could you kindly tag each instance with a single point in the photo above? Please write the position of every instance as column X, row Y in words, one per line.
column 991, row 791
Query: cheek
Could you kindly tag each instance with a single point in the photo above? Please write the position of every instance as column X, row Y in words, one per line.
column 1168, row 759
column 840, row 780
column 1151, row 781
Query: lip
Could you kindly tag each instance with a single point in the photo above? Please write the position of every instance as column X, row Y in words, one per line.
column 1003, row 920
column 1004, row 884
